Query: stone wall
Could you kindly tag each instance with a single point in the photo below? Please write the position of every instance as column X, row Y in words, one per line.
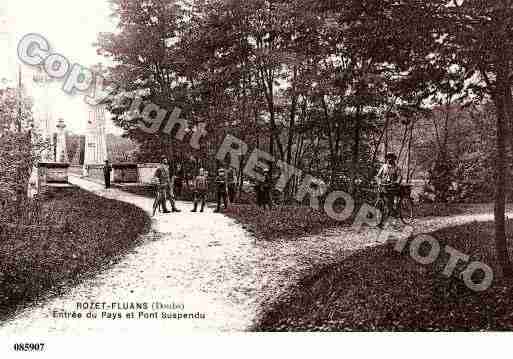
column 125, row 173
column 95, row 172
column 146, row 172
column 144, row 175
column 76, row 170
column 52, row 173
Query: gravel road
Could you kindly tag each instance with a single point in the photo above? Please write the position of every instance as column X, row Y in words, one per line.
column 203, row 264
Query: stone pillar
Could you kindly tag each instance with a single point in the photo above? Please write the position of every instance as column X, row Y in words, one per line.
column 43, row 113
column 61, row 152
column 96, row 142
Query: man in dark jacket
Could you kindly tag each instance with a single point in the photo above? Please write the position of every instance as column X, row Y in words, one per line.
column 221, row 189
column 266, row 188
column 258, row 193
column 107, row 170
column 231, row 180
column 178, row 183
column 166, row 186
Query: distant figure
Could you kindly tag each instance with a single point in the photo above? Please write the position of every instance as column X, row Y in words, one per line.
column 231, row 185
column 107, row 170
column 389, row 173
column 84, row 171
column 200, row 186
column 388, row 179
column 165, row 186
column 178, row 183
column 258, row 193
column 266, row 190
column 221, row 189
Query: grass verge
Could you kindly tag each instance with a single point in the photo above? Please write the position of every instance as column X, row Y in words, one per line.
column 84, row 233
column 379, row 290
column 281, row 222
column 295, row 221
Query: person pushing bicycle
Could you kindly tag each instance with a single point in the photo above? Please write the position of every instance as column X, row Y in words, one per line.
column 389, row 179
column 165, row 188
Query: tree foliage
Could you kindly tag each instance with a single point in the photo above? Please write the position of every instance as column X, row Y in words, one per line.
column 321, row 85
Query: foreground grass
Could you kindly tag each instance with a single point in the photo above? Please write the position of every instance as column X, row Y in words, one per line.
column 281, row 222
column 377, row 289
column 89, row 233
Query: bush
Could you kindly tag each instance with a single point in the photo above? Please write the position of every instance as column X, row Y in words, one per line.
column 15, row 166
column 59, row 240
column 374, row 290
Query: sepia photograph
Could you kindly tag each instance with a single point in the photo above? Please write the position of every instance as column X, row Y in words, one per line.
column 257, row 167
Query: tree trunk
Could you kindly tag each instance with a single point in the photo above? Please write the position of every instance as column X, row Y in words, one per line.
column 356, row 148
column 500, row 182
column 408, row 163
column 380, row 140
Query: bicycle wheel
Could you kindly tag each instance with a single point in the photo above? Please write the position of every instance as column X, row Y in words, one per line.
column 156, row 204
column 406, row 210
column 381, row 206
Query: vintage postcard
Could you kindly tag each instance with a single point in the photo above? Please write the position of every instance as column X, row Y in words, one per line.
column 200, row 167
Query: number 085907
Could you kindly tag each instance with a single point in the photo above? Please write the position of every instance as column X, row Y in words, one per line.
column 29, row 347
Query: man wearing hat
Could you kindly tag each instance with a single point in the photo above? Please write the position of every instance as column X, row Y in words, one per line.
column 165, row 186
column 231, row 184
column 221, row 189
column 107, row 170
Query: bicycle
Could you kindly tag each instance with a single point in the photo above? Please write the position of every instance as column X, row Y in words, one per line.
column 402, row 205
column 157, row 201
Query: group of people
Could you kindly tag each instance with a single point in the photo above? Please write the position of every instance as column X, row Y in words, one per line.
column 225, row 188
column 388, row 179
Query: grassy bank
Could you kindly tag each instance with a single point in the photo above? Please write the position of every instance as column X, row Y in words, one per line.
column 296, row 221
column 281, row 222
column 76, row 234
column 378, row 289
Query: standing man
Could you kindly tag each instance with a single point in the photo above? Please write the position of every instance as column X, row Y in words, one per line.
column 107, row 170
column 200, row 185
column 231, row 185
column 258, row 193
column 267, row 187
column 389, row 179
column 178, row 182
column 165, row 186
column 221, row 189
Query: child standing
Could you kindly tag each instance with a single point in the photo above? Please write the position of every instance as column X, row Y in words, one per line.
column 221, row 189
column 200, row 184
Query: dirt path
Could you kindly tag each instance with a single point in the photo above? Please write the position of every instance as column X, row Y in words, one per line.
column 205, row 262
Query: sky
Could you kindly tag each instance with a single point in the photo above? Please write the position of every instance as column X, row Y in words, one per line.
column 71, row 27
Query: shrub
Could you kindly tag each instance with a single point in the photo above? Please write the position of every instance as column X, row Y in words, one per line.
column 58, row 240
column 15, row 166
